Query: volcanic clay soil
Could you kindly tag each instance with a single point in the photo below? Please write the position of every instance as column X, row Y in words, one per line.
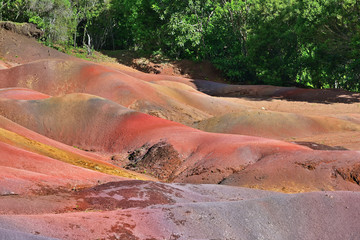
column 349, row 140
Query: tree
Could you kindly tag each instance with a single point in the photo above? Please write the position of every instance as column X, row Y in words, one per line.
column 314, row 43
column 84, row 11
column 332, row 43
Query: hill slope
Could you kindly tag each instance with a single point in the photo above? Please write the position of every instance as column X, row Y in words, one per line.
column 99, row 151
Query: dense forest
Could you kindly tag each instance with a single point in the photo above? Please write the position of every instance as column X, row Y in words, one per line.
column 314, row 43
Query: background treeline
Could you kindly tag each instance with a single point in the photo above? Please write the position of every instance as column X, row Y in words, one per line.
column 281, row 42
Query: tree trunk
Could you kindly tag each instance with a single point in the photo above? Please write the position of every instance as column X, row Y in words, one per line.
column 88, row 46
column 84, row 36
column 2, row 5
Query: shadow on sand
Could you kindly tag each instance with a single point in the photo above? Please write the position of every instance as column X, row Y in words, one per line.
column 268, row 92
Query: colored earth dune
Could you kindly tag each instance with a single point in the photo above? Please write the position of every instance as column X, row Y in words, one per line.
column 102, row 151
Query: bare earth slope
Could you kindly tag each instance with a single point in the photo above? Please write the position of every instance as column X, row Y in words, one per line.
column 180, row 102
column 162, row 211
column 98, row 151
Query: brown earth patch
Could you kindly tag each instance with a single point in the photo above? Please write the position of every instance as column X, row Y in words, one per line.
column 157, row 64
column 351, row 174
column 159, row 160
column 20, row 48
column 122, row 195
column 308, row 165
column 122, row 231
column 45, row 190
column 26, row 29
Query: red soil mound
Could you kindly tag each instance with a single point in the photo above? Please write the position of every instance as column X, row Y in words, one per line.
column 32, row 163
column 100, row 125
column 171, row 151
column 24, row 172
column 176, row 99
column 275, row 124
column 15, row 128
column 116, row 130
column 302, row 172
column 21, row 94
column 177, row 102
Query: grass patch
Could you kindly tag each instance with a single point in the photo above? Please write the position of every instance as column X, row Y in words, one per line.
column 81, row 52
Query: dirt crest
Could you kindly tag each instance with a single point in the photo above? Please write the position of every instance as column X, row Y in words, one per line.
column 20, row 49
column 26, row 29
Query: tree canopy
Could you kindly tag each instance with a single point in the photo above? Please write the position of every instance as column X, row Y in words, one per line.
column 313, row 43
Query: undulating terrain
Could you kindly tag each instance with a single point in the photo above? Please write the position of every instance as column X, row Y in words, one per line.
column 100, row 151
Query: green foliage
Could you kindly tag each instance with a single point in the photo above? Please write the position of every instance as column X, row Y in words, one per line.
column 314, row 43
